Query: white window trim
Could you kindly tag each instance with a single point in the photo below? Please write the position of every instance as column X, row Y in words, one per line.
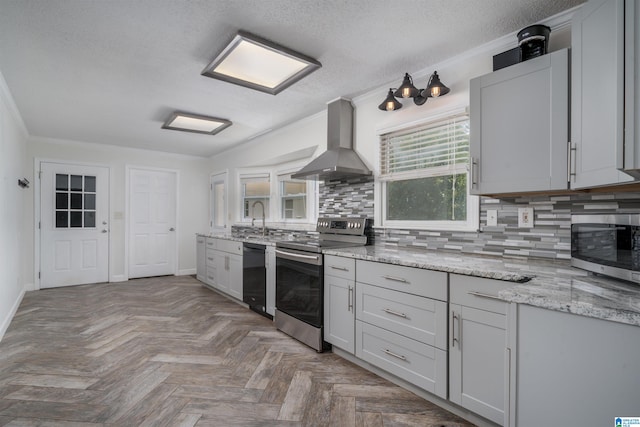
column 312, row 197
column 274, row 174
column 215, row 177
column 472, row 223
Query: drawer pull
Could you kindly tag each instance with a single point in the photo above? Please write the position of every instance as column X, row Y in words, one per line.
column 454, row 337
column 397, row 356
column 482, row 295
column 396, row 279
column 339, row 268
column 210, row 259
column 350, row 299
column 395, row 313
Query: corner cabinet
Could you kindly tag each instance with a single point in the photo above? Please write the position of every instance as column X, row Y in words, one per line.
column 604, row 40
column 339, row 296
column 520, row 127
column 479, row 374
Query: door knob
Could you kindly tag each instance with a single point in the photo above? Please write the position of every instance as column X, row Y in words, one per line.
column 104, row 222
column 105, row 231
column 172, row 229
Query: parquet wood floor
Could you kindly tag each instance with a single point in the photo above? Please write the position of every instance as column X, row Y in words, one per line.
column 169, row 352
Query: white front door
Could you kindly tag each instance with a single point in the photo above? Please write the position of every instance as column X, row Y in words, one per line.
column 152, row 223
column 74, row 229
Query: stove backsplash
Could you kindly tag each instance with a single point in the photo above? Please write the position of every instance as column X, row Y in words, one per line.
column 549, row 238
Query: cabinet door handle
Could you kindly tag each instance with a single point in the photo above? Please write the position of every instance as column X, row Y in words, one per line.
column 396, row 279
column 573, row 151
column 350, row 299
column 474, row 172
column 339, row 268
column 395, row 313
column 483, row 295
column 396, row 355
column 454, row 337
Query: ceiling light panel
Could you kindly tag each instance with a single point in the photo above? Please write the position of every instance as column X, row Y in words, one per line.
column 188, row 122
column 260, row 64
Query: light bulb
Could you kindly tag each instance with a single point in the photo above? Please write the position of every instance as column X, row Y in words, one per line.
column 406, row 92
column 390, row 106
column 435, row 92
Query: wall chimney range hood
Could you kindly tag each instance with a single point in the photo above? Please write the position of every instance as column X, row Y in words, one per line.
column 339, row 161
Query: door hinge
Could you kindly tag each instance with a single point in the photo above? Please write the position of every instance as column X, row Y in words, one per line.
column 39, row 275
column 39, row 225
column 39, row 174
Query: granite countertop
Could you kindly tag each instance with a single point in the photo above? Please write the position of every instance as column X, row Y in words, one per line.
column 553, row 285
column 261, row 240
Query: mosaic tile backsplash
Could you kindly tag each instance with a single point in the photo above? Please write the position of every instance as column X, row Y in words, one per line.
column 549, row 238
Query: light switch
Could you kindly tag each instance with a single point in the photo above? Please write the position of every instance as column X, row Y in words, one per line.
column 525, row 217
column 492, row 218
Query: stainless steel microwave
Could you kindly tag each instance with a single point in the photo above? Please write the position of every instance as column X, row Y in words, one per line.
column 607, row 244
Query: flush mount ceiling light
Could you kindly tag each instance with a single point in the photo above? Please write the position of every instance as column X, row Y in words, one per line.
column 434, row 89
column 259, row 64
column 196, row 123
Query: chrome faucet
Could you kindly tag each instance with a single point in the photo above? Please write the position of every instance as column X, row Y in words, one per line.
column 263, row 215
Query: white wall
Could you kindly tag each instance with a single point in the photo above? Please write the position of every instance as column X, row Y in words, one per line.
column 12, row 201
column 193, row 211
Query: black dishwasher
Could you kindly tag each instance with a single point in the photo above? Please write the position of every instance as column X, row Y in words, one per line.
column 254, row 278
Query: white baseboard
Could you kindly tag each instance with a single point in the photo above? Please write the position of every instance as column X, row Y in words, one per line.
column 186, row 272
column 7, row 321
column 118, row 278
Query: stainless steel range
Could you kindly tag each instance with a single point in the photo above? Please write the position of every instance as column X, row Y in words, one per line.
column 300, row 276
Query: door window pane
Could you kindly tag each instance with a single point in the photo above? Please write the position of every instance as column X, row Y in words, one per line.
column 89, row 201
column 76, row 219
column 62, row 219
column 75, row 201
column 62, row 201
column 90, row 184
column 89, row 219
column 76, row 182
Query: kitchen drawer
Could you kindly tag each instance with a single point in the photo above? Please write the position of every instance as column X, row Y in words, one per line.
column 211, row 275
column 211, row 256
column 478, row 292
column 426, row 283
column 200, row 239
column 422, row 319
column 336, row 266
column 230, row 246
column 415, row 362
column 211, row 243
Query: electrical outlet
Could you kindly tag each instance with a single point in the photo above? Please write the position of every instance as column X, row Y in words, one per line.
column 492, row 218
column 525, row 217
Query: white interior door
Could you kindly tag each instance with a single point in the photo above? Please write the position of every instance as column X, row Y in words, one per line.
column 152, row 223
column 74, row 229
column 218, row 202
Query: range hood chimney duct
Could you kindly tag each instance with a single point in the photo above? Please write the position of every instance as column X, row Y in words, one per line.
column 339, row 161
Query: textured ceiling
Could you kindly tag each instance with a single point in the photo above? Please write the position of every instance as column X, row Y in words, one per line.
column 111, row 71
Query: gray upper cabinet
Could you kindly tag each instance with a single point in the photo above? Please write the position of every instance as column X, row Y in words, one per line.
column 599, row 149
column 520, row 127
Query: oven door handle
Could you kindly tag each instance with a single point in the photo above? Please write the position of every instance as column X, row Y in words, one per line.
column 301, row 257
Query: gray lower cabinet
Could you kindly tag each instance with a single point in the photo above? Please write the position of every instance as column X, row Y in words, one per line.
column 270, row 264
column 478, row 352
column 210, row 261
column 228, row 262
column 519, row 118
column 401, row 323
column 562, row 373
column 339, row 297
column 201, row 258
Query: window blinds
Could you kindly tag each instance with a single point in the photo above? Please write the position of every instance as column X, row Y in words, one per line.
column 443, row 144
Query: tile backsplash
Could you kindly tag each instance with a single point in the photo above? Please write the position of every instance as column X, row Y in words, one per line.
column 549, row 237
